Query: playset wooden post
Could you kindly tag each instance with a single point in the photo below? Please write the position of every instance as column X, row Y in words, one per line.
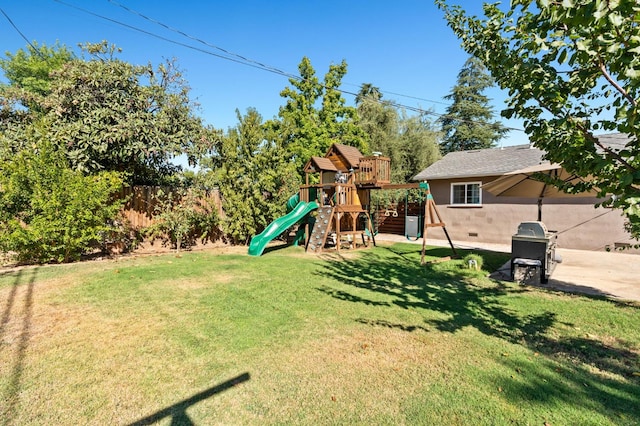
column 430, row 214
column 345, row 179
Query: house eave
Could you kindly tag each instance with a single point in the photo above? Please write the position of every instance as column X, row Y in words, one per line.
column 457, row 176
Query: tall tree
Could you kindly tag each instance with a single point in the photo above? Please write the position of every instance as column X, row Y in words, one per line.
column 467, row 123
column 410, row 142
column 254, row 178
column 107, row 114
column 368, row 91
column 30, row 68
column 419, row 146
column 28, row 73
column 315, row 115
column 572, row 69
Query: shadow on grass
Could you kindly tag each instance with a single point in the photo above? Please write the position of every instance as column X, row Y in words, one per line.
column 24, row 280
column 605, row 373
column 276, row 246
column 178, row 411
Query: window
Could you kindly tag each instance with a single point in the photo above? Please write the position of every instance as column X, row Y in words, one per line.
column 466, row 193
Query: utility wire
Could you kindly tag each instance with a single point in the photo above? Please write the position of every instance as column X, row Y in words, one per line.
column 199, row 40
column 278, row 71
column 21, row 34
column 386, row 92
column 230, row 56
column 168, row 40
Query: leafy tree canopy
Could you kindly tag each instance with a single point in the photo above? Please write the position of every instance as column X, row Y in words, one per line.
column 410, row 142
column 254, row 177
column 104, row 113
column 572, row 69
column 315, row 115
column 467, row 123
column 30, row 68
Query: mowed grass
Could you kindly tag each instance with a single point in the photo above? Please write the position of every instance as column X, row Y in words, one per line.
column 292, row 338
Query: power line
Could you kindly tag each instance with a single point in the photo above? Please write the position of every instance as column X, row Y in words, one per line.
column 386, row 92
column 199, row 40
column 278, row 71
column 230, row 56
column 168, row 40
column 20, row 32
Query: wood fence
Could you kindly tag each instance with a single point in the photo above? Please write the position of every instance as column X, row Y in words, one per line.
column 391, row 219
column 142, row 202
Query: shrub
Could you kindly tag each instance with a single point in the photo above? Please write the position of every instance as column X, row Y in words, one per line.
column 49, row 212
column 473, row 261
column 183, row 217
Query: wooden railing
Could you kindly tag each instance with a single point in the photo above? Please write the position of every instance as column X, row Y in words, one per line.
column 373, row 170
column 335, row 194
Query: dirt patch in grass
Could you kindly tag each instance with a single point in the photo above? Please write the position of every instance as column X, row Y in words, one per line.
column 143, row 250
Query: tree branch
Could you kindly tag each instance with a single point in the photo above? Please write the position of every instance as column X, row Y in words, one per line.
column 608, row 77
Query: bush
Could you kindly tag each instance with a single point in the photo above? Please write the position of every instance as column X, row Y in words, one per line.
column 49, row 212
column 473, row 261
column 183, row 217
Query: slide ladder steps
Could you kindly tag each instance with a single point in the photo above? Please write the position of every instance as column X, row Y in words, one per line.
column 321, row 229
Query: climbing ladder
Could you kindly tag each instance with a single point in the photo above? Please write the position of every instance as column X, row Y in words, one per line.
column 321, row 229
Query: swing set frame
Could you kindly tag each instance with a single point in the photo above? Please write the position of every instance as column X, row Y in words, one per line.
column 430, row 216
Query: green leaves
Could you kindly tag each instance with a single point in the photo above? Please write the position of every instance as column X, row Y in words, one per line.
column 303, row 128
column 108, row 114
column 467, row 123
column 255, row 175
column 49, row 212
column 587, row 80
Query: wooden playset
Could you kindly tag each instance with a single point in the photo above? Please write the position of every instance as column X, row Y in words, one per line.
column 333, row 206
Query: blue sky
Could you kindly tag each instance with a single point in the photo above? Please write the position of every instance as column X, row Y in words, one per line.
column 403, row 47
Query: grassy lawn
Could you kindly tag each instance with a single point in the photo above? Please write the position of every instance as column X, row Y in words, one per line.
column 292, row 338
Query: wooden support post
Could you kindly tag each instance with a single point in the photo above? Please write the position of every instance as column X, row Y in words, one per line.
column 430, row 214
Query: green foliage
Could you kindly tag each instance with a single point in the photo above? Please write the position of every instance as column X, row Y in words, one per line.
column 49, row 212
column 467, row 123
column 473, row 261
column 254, row 175
column 418, row 147
column 410, row 142
column 30, row 69
column 107, row 114
column 315, row 116
column 29, row 78
column 183, row 216
column 572, row 69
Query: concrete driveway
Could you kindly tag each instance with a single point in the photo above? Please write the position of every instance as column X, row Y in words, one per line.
column 610, row 274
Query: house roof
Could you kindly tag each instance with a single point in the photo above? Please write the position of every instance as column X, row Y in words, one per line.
column 482, row 162
column 351, row 154
column 498, row 161
column 617, row 141
column 320, row 164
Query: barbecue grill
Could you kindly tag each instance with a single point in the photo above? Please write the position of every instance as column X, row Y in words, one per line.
column 534, row 247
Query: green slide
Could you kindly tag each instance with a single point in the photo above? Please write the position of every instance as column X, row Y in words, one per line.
column 278, row 226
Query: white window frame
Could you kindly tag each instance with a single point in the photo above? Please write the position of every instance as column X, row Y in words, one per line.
column 466, row 185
